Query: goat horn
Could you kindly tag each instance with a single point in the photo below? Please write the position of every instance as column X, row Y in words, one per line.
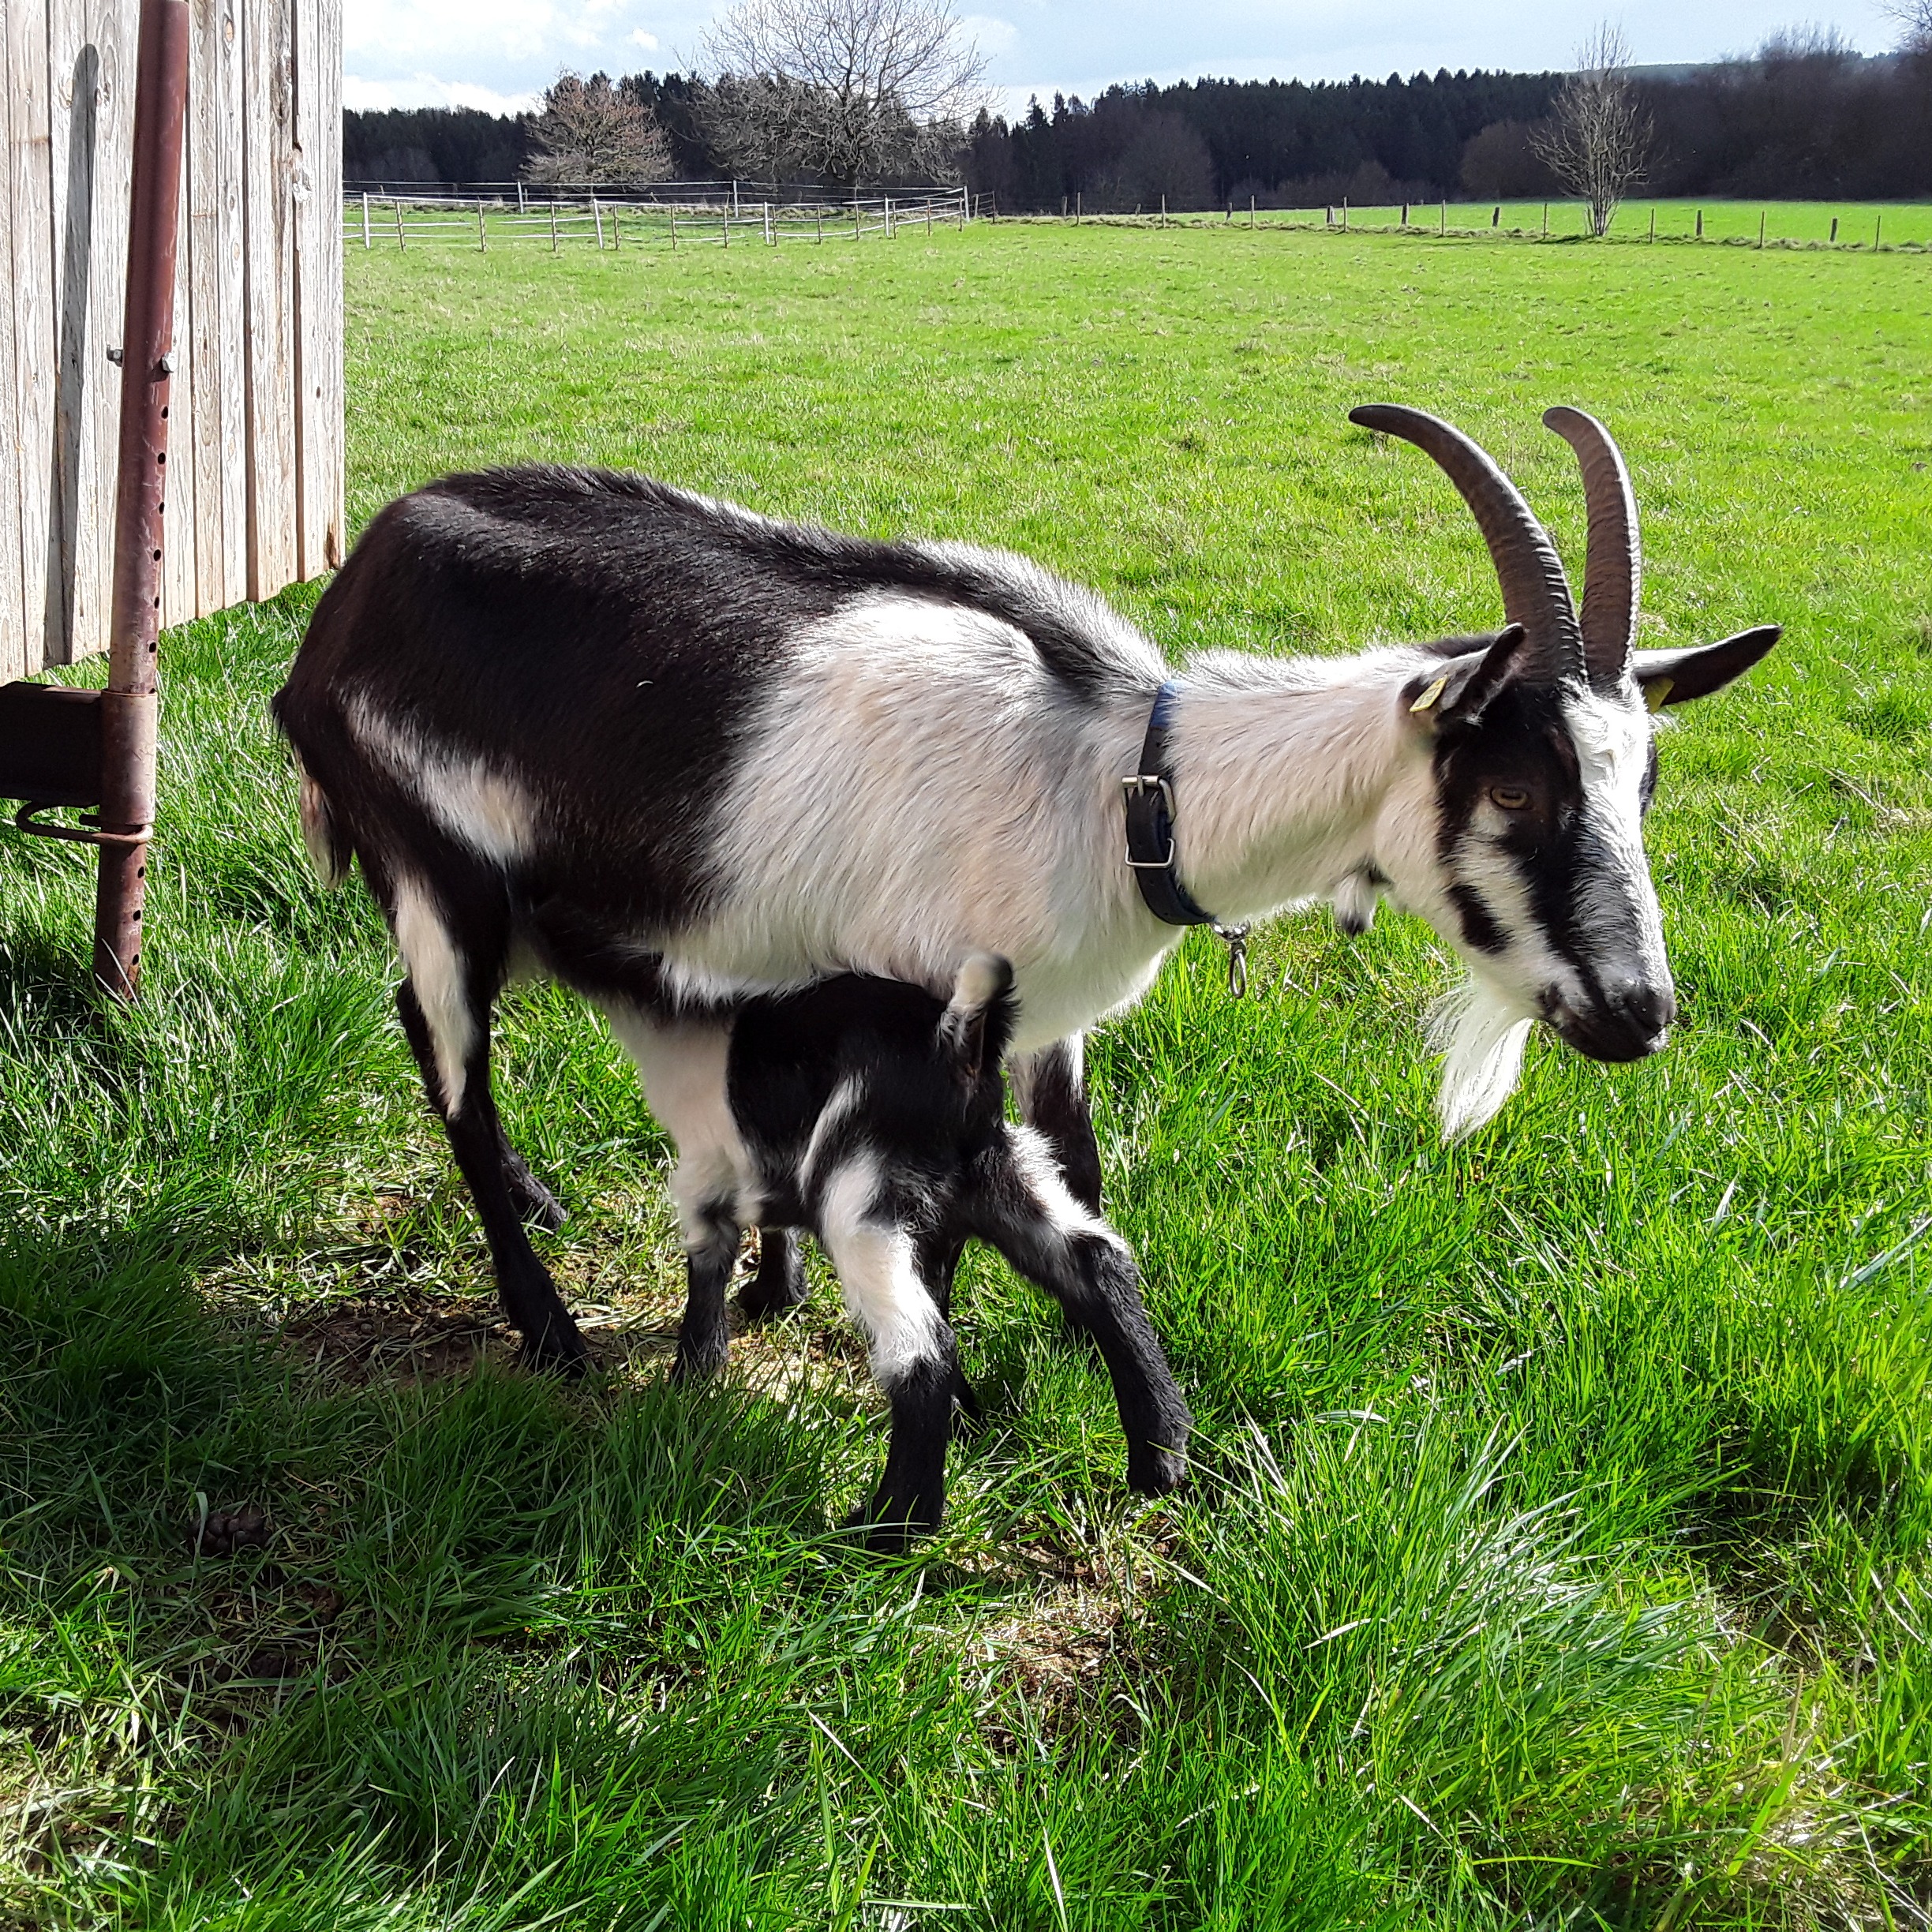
column 1536, row 593
column 1613, row 560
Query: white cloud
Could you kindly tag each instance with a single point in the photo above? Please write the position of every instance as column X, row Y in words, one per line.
column 647, row 41
column 994, row 37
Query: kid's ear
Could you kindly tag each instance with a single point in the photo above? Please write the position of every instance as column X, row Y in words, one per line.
column 1668, row 677
column 1460, row 687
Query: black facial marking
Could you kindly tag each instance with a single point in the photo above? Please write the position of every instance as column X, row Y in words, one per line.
column 1520, row 745
column 1479, row 926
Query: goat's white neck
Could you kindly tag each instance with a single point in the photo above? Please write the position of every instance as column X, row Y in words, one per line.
column 1281, row 769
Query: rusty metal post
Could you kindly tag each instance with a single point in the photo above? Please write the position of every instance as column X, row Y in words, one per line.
column 147, row 364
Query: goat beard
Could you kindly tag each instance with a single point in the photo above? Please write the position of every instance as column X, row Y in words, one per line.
column 1481, row 1031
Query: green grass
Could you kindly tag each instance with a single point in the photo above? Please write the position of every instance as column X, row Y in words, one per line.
column 1557, row 1551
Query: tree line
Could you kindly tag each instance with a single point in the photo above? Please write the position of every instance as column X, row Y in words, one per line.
column 1803, row 117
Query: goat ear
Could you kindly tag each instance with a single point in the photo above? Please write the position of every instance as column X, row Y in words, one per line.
column 1463, row 686
column 1668, row 677
column 983, row 978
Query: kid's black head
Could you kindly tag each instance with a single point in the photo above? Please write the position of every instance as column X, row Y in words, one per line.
column 1541, row 766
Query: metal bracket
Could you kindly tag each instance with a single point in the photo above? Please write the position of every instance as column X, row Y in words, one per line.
column 89, row 832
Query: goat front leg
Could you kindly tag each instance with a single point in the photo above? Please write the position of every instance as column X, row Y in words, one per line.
column 531, row 1302
column 914, row 1358
column 1050, row 1087
column 1022, row 1208
column 710, row 1254
column 779, row 1285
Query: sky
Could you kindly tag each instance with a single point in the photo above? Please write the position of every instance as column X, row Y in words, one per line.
column 500, row 54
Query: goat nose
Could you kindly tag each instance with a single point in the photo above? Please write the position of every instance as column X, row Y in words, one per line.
column 1647, row 1005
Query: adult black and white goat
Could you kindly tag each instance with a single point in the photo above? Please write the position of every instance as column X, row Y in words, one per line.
column 873, row 1114
column 661, row 747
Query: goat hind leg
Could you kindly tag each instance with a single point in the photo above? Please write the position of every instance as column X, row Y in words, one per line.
column 531, row 1302
column 1031, row 1218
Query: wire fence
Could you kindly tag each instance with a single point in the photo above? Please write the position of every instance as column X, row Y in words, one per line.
column 1885, row 228
column 697, row 214
column 516, row 215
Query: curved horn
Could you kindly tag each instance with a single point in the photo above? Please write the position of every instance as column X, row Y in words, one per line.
column 1536, row 593
column 1613, row 560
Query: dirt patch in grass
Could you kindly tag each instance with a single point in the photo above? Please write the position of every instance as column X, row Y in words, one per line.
column 401, row 1335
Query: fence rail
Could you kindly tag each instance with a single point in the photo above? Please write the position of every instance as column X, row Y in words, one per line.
column 577, row 218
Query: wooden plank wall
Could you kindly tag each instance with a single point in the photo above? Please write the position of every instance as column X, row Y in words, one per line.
column 255, row 490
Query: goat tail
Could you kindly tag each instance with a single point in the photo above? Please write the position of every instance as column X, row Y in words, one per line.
column 979, row 1017
column 329, row 849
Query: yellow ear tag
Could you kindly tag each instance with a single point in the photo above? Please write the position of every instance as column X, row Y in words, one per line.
column 1657, row 691
column 1429, row 696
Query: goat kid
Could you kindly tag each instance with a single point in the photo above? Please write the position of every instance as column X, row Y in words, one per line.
column 656, row 746
column 874, row 1114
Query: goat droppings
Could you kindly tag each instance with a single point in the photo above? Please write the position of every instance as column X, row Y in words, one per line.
column 1481, row 1031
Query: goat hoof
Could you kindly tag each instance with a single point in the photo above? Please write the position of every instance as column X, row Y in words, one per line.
column 1155, row 1471
column 889, row 1524
column 698, row 1364
column 550, row 1353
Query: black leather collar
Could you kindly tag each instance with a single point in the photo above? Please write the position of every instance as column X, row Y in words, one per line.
column 1151, row 846
column 1149, row 824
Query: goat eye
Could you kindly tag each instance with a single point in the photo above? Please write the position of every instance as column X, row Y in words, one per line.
column 1511, row 798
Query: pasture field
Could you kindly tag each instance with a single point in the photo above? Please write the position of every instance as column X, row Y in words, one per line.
column 1557, row 1551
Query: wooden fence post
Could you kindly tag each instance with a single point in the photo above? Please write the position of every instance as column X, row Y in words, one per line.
column 1877, row 232
column 596, row 214
column 553, row 233
column 724, row 220
column 1700, row 225
column 482, row 239
column 1546, row 221
column 1760, row 225
column 1834, row 233
column 1444, row 228
column 396, row 202
column 1163, row 211
column 365, row 233
column 1653, row 224
column 519, row 197
column 1251, row 211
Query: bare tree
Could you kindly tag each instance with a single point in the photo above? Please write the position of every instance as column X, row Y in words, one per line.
column 847, row 88
column 592, row 135
column 1914, row 22
column 1596, row 141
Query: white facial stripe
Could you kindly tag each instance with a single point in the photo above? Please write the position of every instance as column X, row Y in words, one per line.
column 1612, row 738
